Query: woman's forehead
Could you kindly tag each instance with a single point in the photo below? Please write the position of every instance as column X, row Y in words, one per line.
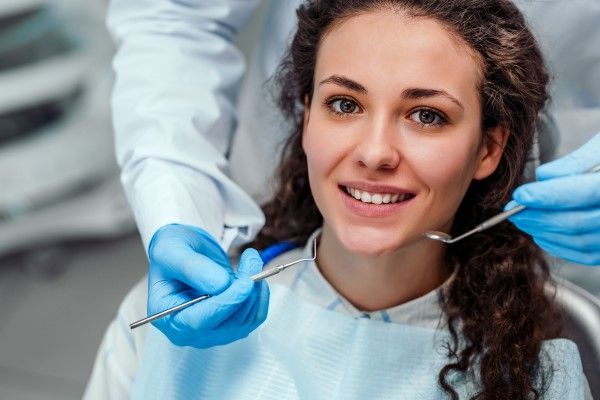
column 388, row 50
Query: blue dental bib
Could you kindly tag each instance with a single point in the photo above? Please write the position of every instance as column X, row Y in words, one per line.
column 306, row 352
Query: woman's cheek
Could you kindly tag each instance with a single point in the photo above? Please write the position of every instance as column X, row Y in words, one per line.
column 325, row 144
column 446, row 170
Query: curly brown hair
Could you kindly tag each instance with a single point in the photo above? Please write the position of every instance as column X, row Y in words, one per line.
column 497, row 300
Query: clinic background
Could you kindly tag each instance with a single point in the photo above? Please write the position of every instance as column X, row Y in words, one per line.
column 69, row 251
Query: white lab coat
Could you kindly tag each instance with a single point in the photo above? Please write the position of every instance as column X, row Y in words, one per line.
column 190, row 148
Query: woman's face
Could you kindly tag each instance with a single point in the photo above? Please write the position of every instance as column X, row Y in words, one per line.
column 392, row 134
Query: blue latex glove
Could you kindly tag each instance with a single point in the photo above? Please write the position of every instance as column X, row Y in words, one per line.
column 186, row 262
column 563, row 206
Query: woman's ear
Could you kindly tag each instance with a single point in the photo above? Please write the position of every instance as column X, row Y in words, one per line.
column 306, row 118
column 491, row 151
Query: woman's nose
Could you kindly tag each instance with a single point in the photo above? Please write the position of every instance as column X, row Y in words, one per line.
column 378, row 146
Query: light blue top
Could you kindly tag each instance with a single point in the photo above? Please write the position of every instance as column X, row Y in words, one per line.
column 304, row 351
column 123, row 354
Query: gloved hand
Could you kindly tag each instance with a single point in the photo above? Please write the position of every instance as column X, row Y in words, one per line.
column 563, row 206
column 186, row 262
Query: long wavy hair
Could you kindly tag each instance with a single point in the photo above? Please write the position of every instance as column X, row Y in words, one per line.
column 496, row 308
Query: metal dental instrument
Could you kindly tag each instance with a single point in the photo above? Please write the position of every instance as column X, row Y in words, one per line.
column 445, row 238
column 257, row 277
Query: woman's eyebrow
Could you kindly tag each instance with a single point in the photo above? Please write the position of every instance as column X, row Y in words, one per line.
column 345, row 82
column 419, row 93
column 410, row 93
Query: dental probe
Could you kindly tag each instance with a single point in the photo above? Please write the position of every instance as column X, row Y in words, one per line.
column 256, row 278
column 446, row 238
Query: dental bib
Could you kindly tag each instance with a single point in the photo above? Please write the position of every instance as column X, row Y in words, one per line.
column 306, row 352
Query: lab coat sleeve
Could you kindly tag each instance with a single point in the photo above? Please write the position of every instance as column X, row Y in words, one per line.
column 177, row 77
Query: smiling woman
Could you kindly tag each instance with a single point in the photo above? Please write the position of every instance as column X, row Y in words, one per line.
column 413, row 116
column 407, row 116
column 383, row 128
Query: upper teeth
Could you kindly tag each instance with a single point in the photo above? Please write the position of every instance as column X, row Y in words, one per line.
column 376, row 198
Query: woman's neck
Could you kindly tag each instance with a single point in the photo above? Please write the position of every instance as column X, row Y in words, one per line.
column 376, row 283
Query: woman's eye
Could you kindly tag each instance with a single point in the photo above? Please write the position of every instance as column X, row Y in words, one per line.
column 427, row 117
column 344, row 106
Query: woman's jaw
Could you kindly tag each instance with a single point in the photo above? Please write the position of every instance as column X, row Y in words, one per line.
column 379, row 281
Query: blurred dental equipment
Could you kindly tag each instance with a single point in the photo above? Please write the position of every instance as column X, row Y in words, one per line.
column 256, row 278
column 446, row 238
column 57, row 171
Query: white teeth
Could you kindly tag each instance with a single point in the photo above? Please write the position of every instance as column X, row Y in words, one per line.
column 376, row 198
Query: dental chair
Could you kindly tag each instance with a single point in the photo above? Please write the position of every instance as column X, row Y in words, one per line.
column 581, row 311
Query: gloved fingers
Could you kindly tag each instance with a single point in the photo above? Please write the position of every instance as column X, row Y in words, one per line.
column 247, row 329
column 573, row 163
column 190, row 255
column 158, row 287
column 246, row 317
column 182, row 263
column 259, row 316
column 228, row 335
column 256, row 318
column 217, row 309
column 210, row 320
column 245, row 310
column 538, row 222
column 572, row 192
column 263, row 305
column 182, row 335
column 578, row 257
column 202, row 242
column 510, row 205
column 585, row 243
column 211, row 312
column 189, row 236
column 158, row 303
column 165, row 294
column 250, row 263
column 258, row 309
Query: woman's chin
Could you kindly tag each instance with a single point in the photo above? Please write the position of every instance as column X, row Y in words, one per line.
column 372, row 245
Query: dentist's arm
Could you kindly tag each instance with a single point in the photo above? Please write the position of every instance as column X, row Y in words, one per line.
column 563, row 206
column 177, row 77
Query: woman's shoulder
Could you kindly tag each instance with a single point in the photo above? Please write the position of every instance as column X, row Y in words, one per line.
column 562, row 370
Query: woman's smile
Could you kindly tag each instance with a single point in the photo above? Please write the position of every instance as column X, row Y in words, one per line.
column 371, row 200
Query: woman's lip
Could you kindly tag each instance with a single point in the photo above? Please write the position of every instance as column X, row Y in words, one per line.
column 375, row 187
column 371, row 210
